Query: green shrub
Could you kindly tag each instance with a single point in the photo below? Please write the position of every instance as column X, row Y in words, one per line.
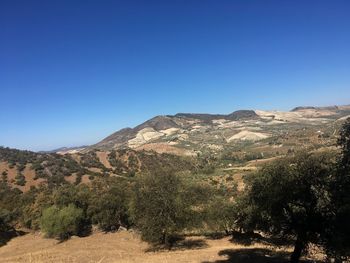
column 20, row 179
column 61, row 223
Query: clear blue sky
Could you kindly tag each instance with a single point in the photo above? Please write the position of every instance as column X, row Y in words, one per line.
column 72, row 72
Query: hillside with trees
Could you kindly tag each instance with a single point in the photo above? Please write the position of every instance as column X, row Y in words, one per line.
column 302, row 198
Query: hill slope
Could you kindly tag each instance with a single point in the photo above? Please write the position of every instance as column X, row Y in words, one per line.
column 192, row 134
column 222, row 145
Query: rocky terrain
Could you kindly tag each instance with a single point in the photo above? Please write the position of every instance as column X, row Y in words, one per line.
column 192, row 134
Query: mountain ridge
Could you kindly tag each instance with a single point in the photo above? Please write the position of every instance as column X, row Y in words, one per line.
column 181, row 129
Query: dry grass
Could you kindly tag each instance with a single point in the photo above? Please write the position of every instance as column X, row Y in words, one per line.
column 127, row 247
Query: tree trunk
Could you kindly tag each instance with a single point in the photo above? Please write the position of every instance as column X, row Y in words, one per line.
column 164, row 238
column 338, row 259
column 298, row 249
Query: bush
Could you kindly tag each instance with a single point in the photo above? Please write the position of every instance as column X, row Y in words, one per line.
column 20, row 179
column 61, row 223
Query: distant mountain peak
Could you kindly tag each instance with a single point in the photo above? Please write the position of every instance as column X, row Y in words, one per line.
column 160, row 122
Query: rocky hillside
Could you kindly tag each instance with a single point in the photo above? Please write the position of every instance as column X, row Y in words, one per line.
column 193, row 134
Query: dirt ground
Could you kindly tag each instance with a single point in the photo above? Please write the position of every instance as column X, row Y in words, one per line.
column 127, row 247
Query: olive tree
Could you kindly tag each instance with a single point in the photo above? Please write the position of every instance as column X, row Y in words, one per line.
column 290, row 197
column 337, row 236
column 108, row 204
column 160, row 207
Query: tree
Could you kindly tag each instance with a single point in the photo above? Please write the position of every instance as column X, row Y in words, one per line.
column 337, row 236
column 160, row 207
column 10, row 206
column 220, row 210
column 108, row 204
column 20, row 179
column 344, row 144
column 5, row 220
column 290, row 197
column 33, row 203
column 61, row 223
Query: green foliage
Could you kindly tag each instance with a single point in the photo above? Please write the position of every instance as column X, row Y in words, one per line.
column 5, row 220
column 337, row 236
column 219, row 215
column 20, row 179
column 344, row 144
column 132, row 162
column 61, row 223
column 52, row 167
column 71, row 194
column 10, row 205
column 290, row 197
column 21, row 167
column 153, row 162
column 160, row 207
column 17, row 156
column 206, row 169
column 33, row 204
column 90, row 159
column 4, row 176
column 108, row 205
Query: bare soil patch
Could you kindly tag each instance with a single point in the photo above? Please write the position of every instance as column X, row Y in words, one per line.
column 103, row 158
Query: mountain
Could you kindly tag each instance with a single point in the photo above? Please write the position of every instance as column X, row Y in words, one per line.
column 197, row 133
column 231, row 145
column 168, row 127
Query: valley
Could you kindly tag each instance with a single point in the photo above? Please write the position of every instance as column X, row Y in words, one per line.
column 192, row 143
column 203, row 164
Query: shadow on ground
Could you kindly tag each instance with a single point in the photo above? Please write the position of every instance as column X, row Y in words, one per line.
column 251, row 255
column 247, row 239
column 254, row 255
column 183, row 244
column 216, row 235
column 7, row 236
